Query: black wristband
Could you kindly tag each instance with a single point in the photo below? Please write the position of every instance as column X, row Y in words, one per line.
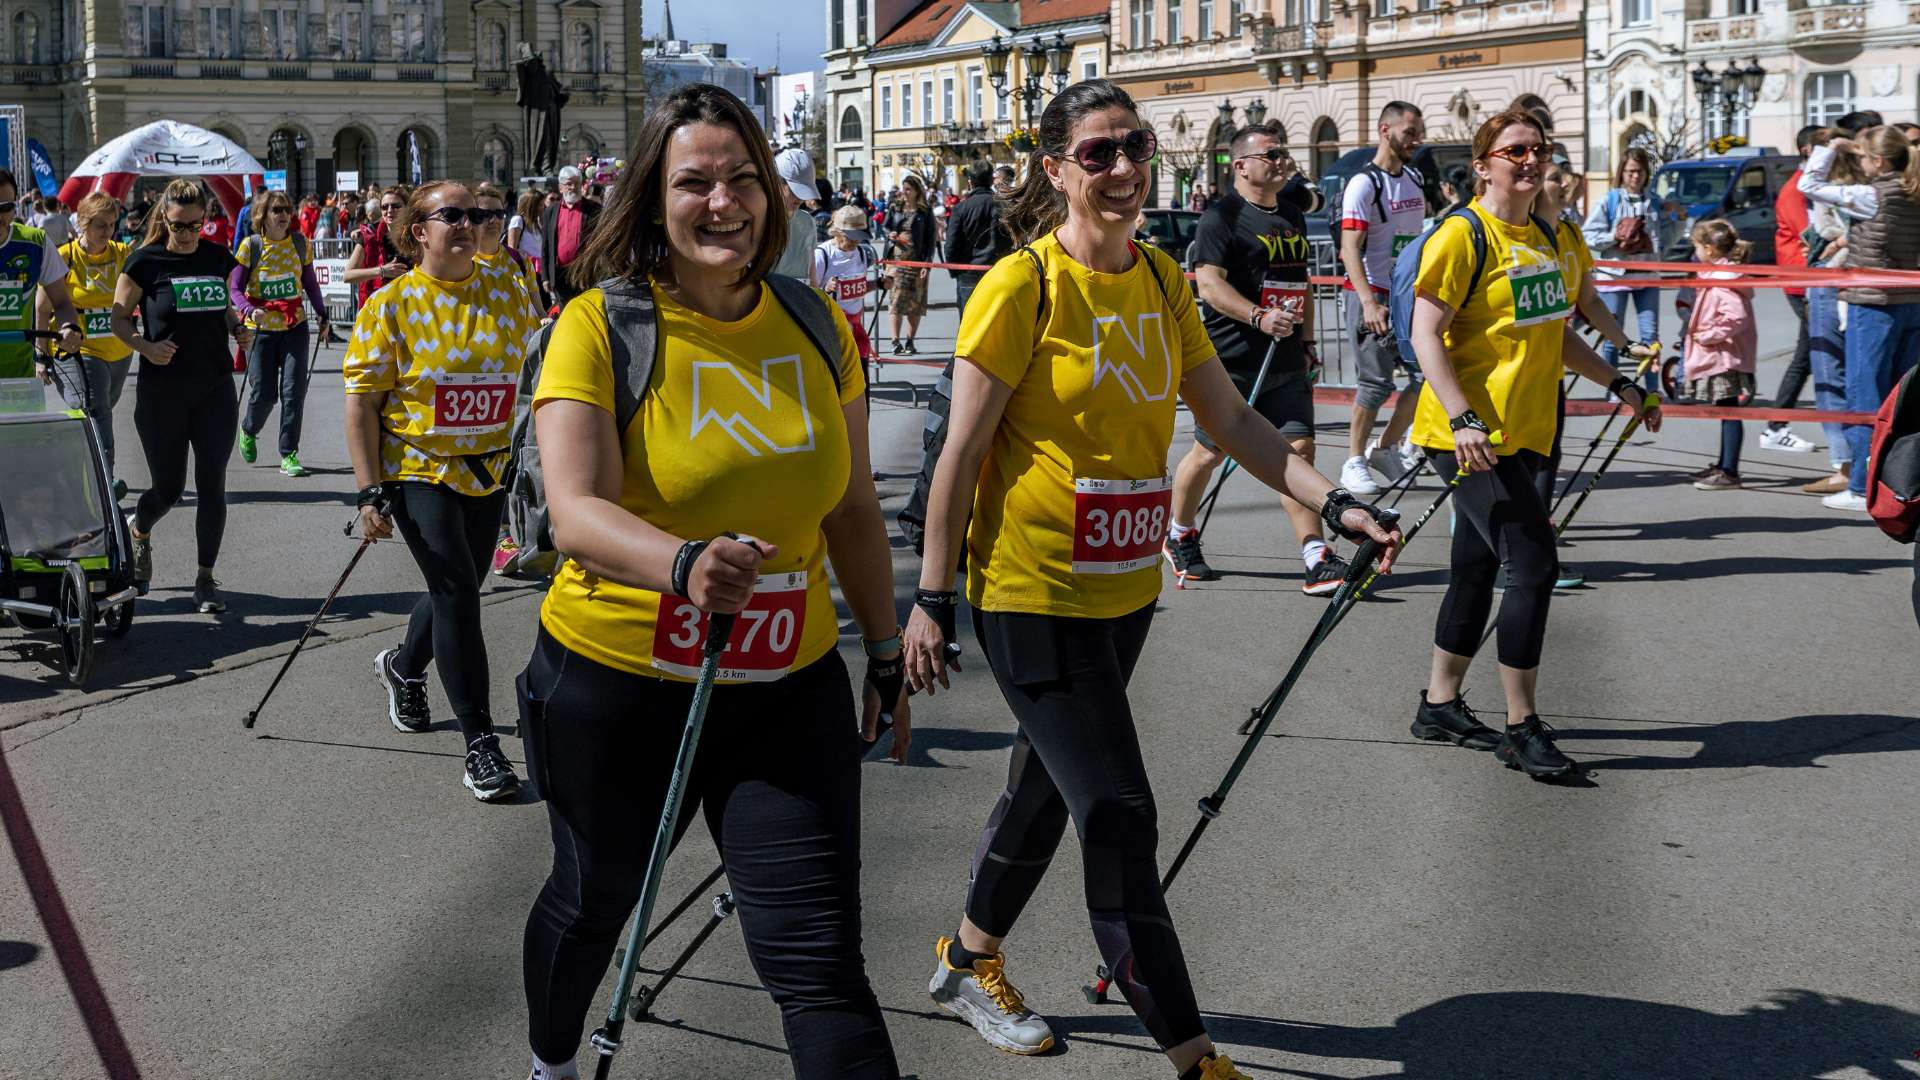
column 935, row 598
column 683, row 561
column 1469, row 419
column 1621, row 383
column 374, row 495
column 1339, row 501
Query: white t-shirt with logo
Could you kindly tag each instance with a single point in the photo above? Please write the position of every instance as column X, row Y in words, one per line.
column 843, row 274
column 1404, row 203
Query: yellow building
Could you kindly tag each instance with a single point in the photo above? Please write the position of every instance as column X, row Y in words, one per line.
column 933, row 101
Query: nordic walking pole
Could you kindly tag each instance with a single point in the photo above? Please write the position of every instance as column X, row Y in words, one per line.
column 606, row 1039
column 1262, row 717
column 1653, row 403
column 1259, row 383
column 645, row 998
column 365, row 543
column 1645, row 363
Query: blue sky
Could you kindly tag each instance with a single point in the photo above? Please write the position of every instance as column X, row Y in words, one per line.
column 757, row 30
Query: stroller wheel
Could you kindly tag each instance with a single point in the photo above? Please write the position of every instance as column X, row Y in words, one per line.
column 75, row 625
column 1670, row 378
column 119, row 620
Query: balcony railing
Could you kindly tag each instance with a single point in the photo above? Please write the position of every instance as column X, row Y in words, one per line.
column 210, row 70
column 1731, row 30
column 151, row 69
column 286, row 71
column 418, row 74
column 361, row 73
column 493, row 83
column 1849, row 19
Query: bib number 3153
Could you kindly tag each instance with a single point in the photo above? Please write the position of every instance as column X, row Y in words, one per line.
column 764, row 641
column 1118, row 524
column 476, row 403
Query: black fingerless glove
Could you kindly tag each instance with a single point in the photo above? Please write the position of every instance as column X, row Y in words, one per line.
column 1339, row 501
column 683, row 561
column 376, row 496
column 940, row 607
column 887, row 677
column 1621, row 384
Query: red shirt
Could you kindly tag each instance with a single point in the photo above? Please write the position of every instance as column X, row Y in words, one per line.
column 309, row 218
column 219, row 230
column 566, row 233
column 1789, row 221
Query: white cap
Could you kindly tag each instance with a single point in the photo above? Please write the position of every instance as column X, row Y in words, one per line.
column 795, row 166
column 571, row 172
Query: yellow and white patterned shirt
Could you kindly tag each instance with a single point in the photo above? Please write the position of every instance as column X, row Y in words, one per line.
column 447, row 355
column 524, row 267
column 277, row 277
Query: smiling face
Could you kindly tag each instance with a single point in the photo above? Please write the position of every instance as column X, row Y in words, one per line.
column 713, row 202
column 1503, row 174
column 1110, row 199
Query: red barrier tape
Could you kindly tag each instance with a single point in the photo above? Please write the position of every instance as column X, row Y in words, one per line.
column 1911, row 277
column 1335, row 395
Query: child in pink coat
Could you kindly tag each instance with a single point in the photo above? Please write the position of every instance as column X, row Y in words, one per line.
column 1722, row 346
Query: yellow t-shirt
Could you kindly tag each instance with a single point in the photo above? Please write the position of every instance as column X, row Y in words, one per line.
column 1094, row 388
column 1576, row 258
column 742, row 429
column 524, row 268
column 276, row 277
column 91, row 280
column 447, row 354
column 1510, row 373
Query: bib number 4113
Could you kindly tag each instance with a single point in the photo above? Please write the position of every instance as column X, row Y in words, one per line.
column 1118, row 525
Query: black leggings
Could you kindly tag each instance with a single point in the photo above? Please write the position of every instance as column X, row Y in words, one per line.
column 173, row 416
column 1499, row 517
column 778, row 775
column 1076, row 754
column 452, row 537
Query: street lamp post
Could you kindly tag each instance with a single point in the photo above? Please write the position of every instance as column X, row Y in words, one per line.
column 1731, row 92
column 1041, row 58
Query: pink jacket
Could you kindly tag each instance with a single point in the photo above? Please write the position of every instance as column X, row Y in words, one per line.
column 1721, row 335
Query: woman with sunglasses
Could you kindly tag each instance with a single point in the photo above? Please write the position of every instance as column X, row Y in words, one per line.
column 376, row 241
column 274, row 286
column 1063, row 409
column 177, row 281
column 493, row 251
column 431, row 373
column 1493, row 358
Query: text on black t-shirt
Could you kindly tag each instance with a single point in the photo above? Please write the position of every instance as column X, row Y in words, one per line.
column 1265, row 256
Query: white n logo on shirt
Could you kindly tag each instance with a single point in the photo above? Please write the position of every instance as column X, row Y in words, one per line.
column 1121, row 367
column 733, row 422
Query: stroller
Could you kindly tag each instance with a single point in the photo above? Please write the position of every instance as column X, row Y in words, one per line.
column 65, row 560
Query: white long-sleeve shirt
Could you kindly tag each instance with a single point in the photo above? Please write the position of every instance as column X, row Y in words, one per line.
column 1858, row 201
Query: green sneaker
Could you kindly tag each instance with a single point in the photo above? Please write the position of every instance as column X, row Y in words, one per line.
column 290, row 465
column 249, row 448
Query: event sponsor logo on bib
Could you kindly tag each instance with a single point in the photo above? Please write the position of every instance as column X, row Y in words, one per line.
column 765, row 417
column 1118, row 524
column 764, row 641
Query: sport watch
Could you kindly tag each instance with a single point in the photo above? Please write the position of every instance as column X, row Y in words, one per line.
column 1469, row 419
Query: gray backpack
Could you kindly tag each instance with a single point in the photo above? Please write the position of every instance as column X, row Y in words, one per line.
column 631, row 332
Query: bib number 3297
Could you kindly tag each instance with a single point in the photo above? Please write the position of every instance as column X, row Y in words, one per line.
column 475, row 403
column 764, row 641
column 1118, row 524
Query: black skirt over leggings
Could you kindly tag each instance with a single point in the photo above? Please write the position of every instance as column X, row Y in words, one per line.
column 1499, row 517
column 778, row 776
column 1076, row 755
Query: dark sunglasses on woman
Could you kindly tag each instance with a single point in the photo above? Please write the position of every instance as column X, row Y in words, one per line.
column 1098, row 155
column 473, row 215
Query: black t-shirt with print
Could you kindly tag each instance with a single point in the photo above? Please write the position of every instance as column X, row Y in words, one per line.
column 1262, row 251
column 184, row 300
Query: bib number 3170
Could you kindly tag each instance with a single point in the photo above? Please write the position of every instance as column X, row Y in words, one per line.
column 1118, row 524
column 765, row 638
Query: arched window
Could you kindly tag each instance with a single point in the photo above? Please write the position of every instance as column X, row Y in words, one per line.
column 493, row 46
column 496, row 162
column 26, row 38
column 580, row 50
column 1326, row 145
column 353, row 152
column 413, row 157
column 580, row 144
column 850, row 125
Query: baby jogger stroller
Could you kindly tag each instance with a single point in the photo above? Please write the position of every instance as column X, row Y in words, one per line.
column 64, row 548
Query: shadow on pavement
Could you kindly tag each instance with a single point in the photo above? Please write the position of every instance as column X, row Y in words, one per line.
column 1737, row 566
column 1713, row 528
column 927, row 740
column 1798, row 742
column 15, row 954
column 1791, row 1035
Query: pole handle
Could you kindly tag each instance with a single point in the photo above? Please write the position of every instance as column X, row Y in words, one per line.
column 719, row 629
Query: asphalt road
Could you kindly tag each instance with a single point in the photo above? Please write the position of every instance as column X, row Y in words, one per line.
column 1721, row 895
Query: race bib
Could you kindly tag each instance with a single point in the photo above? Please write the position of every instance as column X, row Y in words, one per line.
column 193, row 295
column 1539, row 293
column 764, row 641
column 13, row 299
column 849, row 288
column 1291, row 295
column 97, row 324
column 1118, row 524
column 476, row 403
column 1401, row 240
column 281, row 287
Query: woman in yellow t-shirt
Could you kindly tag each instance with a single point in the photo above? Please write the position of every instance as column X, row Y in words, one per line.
column 741, row 471
column 1075, row 348
column 275, row 289
column 93, row 381
column 1493, row 356
column 431, row 372
column 492, row 251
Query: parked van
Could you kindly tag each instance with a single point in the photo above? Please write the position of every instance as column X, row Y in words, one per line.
column 1739, row 186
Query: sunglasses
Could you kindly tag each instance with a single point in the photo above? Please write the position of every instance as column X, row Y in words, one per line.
column 9, row 206
column 1274, row 155
column 1098, row 155
column 1520, row 152
column 187, row 226
column 392, row 207
column 473, row 215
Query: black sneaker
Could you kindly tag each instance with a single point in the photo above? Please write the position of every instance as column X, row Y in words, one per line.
column 490, row 775
column 206, row 595
column 1325, row 577
column 406, row 698
column 1187, row 561
column 912, row 349
column 1528, row 746
column 1452, row 721
column 899, row 347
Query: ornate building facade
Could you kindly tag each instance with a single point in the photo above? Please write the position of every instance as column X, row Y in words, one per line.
column 320, row 86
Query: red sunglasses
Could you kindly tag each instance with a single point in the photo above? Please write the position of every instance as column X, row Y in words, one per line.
column 1098, row 155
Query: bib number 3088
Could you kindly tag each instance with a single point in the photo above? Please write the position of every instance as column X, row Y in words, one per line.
column 765, row 638
column 1118, row 524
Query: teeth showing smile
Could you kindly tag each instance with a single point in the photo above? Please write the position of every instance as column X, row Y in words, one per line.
column 724, row 227
column 1123, row 194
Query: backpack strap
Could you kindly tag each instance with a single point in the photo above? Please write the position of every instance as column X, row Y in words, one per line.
column 1040, row 275
column 817, row 318
column 300, row 245
column 1153, row 270
column 1553, row 238
column 1379, row 177
column 1477, row 229
column 634, row 339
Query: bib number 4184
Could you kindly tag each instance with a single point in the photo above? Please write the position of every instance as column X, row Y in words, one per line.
column 1118, row 524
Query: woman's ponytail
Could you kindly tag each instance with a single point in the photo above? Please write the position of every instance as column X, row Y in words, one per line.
column 1891, row 145
column 1036, row 207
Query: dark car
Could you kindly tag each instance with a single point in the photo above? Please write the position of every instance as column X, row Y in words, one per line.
column 1739, row 187
column 1171, row 230
column 1432, row 159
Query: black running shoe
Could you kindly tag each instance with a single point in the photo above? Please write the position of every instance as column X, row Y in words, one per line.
column 1452, row 721
column 206, row 595
column 1187, row 561
column 912, row 349
column 490, row 775
column 1325, row 577
column 1528, row 746
column 899, row 347
column 406, row 698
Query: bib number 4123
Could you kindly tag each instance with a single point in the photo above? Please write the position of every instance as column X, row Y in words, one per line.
column 1118, row 524
column 765, row 638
